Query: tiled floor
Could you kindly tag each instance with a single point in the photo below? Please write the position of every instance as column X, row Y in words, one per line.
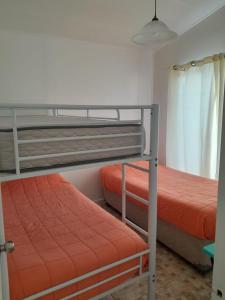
column 176, row 279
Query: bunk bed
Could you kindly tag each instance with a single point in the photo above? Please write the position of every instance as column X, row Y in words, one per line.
column 186, row 207
column 52, row 245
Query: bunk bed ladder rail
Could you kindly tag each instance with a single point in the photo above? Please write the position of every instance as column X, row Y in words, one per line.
column 151, row 203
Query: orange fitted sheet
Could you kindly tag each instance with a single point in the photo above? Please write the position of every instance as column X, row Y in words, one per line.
column 60, row 234
column 185, row 200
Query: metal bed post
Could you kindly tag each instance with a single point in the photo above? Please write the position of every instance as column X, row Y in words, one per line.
column 123, row 193
column 15, row 141
column 142, row 136
column 152, row 208
column 7, row 246
column 3, row 257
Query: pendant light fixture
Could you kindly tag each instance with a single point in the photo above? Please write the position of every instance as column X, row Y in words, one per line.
column 154, row 32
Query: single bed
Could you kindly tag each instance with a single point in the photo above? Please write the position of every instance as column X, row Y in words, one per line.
column 60, row 234
column 186, row 207
column 69, row 140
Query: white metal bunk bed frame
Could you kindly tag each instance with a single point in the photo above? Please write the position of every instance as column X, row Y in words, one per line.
column 8, row 246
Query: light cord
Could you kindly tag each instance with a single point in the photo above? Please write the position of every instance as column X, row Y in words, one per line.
column 155, row 16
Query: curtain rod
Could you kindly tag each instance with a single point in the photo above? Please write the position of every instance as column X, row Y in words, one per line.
column 195, row 63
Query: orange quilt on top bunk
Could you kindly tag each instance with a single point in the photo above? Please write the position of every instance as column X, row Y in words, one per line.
column 60, row 234
column 185, row 200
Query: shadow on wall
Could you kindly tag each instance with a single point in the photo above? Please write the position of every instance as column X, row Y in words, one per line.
column 87, row 181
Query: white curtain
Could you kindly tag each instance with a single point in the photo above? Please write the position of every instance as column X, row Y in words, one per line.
column 194, row 117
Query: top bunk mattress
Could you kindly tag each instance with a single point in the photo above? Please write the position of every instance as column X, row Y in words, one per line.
column 86, row 140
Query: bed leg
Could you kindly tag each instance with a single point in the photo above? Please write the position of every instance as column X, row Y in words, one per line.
column 4, row 282
column 151, row 290
column 123, row 193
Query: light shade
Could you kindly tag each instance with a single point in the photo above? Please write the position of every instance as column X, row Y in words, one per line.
column 154, row 32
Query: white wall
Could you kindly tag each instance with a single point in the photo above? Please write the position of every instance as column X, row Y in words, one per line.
column 219, row 260
column 44, row 69
column 205, row 39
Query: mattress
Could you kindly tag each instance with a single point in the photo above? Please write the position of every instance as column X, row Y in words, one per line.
column 184, row 200
column 46, row 127
column 60, row 234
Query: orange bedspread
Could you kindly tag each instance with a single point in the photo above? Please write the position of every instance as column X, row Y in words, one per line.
column 185, row 200
column 60, row 234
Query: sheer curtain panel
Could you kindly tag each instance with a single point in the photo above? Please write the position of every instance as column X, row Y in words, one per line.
column 194, row 116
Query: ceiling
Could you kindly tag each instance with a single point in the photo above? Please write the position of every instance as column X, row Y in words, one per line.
column 101, row 21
